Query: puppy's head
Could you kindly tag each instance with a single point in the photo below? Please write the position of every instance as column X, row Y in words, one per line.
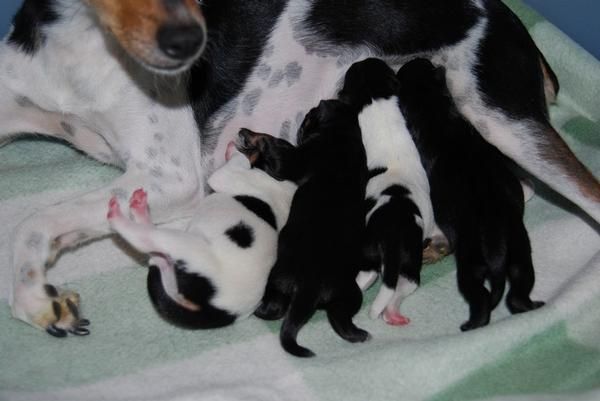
column 166, row 36
column 182, row 297
column 330, row 116
column 420, row 76
column 366, row 80
column 275, row 156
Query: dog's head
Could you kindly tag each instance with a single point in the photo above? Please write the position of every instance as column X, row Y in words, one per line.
column 418, row 77
column 367, row 80
column 166, row 36
column 275, row 156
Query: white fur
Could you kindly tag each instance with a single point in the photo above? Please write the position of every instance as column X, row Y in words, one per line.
column 389, row 144
column 238, row 274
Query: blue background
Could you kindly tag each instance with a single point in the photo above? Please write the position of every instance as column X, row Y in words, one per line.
column 577, row 18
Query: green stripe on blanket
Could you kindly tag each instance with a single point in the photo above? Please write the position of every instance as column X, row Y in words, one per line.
column 549, row 354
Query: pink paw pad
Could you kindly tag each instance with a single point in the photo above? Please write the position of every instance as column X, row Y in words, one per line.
column 113, row 208
column 139, row 201
column 394, row 318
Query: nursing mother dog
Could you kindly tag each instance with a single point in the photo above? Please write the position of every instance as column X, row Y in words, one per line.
column 159, row 87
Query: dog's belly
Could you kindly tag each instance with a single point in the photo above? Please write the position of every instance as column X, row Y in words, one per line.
column 287, row 81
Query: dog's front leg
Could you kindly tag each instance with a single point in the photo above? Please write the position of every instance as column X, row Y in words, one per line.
column 39, row 239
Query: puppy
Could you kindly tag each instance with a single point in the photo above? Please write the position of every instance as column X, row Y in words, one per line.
column 320, row 246
column 215, row 272
column 399, row 212
column 477, row 201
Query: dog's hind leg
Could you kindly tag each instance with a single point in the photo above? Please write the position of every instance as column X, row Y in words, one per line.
column 499, row 87
column 470, row 273
column 521, row 274
column 39, row 239
column 340, row 311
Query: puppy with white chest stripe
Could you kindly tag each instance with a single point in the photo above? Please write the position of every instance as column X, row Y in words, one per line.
column 216, row 271
column 399, row 212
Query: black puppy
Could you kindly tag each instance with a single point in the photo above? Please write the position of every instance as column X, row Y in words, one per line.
column 478, row 202
column 319, row 248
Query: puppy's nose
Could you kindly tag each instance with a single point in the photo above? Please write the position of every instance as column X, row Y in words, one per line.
column 180, row 42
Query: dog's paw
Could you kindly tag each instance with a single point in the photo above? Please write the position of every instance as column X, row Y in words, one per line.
column 53, row 310
column 395, row 318
column 436, row 249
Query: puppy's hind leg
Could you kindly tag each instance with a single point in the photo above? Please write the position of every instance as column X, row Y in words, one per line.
column 471, row 272
column 521, row 275
column 341, row 309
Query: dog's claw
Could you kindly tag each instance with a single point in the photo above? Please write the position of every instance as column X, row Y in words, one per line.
column 79, row 331
column 56, row 331
column 84, row 322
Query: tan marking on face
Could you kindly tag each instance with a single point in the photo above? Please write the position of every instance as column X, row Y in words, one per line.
column 135, row 23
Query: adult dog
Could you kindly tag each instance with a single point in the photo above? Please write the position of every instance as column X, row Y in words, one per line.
column 107, row 76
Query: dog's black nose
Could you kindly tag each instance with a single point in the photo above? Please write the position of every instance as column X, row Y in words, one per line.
column 180, row 41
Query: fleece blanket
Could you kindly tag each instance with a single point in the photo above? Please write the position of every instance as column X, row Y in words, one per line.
column 549, row 354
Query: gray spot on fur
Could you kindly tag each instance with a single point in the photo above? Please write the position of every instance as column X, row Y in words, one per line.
column 159, row 137
column 153, row 118
column 276, row 78
column 27, row 274
column 34, row 241
column 286, row 127
column 156, row 188
column 24, row 101
column 176, row 161
column 68, row 128
column 125, row 156
column 120, row 193
column 156, row 171
column 151, row 152
column 179, row 177
column 163, row 150
column 141, row 165
column 268, row 51
column 293, row 71
column 251, row 100
column 263, row 71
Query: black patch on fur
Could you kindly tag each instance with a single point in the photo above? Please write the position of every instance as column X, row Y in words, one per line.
column 241, row 234
column 390, row 26
column 50, row 290
column 374, row 172
column 28, row 22
column 196, row 289
column 259, row 208
column 370, row 203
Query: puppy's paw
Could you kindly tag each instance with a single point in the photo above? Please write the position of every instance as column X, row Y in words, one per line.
column 53, row 310
column 395, row 318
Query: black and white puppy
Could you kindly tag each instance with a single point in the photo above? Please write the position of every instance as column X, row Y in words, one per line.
column 399, row 211
column 319, row 249
column 477, row 200
column 214, row 272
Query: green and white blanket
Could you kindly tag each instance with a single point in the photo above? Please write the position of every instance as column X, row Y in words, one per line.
column 549, row 354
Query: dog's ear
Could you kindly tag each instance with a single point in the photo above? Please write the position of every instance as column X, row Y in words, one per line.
column 276, row 157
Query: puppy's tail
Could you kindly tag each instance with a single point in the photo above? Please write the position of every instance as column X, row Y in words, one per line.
column 302, row 307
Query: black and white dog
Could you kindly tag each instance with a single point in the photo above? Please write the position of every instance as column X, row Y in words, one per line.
column 160, row 87
column 214, row 272
column 399, row 212
column 319, row 250
column 477, row 200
